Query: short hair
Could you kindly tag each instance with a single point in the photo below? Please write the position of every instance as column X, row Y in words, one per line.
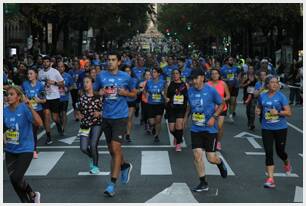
column 117, row 54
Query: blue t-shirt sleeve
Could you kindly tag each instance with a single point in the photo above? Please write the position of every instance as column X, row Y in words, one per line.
column 259, row 100
column 131, row 83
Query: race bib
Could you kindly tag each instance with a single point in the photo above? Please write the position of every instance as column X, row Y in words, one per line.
column 230, row 76
column 12, row 137
column 264, row 91
column 33, row 104
column 111, row 93
column 271, row 118
column 178, row 99
column 198, row 119
column 84, row 132
column 156, row 97
column 251, row 90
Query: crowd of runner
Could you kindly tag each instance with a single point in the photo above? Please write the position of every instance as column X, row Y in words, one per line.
column 108, row 91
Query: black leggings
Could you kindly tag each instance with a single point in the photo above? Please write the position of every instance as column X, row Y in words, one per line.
column 35, row 129
column 144, row 111
column 250, row 111
column 89, row 145
column 74, row 97
column 268, row 137
column 17, row 165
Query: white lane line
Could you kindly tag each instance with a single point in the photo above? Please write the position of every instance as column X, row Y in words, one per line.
column 255, row 153
column 183, row 144
column 103, row 152
column 68, row 140
column 211, row 169
column 42, row 133
column 102, row 146
column 89, row 174
column 176, row 193
column 44, row 164
column 301, row 155
column 294, row 127
column 298, row 195
column 284, row 175
column 155, row 163
column 253, row 142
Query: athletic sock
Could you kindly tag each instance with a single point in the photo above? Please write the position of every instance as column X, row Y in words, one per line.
column 113, row 180
column 203, row 179
column 124, row 166
column 179, row 136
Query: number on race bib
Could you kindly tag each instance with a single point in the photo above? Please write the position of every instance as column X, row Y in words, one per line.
column 156, row 97
column 178, row 99
column 12, row 137
column 198, row 119
column 271, row 118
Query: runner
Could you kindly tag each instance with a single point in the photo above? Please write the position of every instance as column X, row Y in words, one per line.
column 167, row 70
column 52, row 79
column 177, row 105
column 203, row 100
column 75, row 72
column 248, row 96
column 144, row 101
column 260, row 87
column 185, row 71
column 223, row 91
column 18, row 118
column 231, row 75
column 155, row 91
column 89, row 112
column 274, row 106
column 64, row 99
column 131, row 104
column 138, row 71
column 115, row 86
column 35, row 92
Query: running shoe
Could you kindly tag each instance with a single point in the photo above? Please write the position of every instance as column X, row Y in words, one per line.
column 219, row 147
column 37, row 197
column 128, row 138
column 203, row 186
column 110, row 190
column 269, row 183
column 287, row 168
column 48, row 141
column 178, row 148
column 230, row 117
column 222, row 169
column 35, row 155
column 125, row 174
column 95, row 170
column 156, row 139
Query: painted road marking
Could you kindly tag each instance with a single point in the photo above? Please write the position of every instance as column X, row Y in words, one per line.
column 298, row 195
column 89, row 174
column 68, row 140
column 176, row 193
column 301, row 155
column 155, row 163
column 171, row 137
column 253, row 142
column 255, row 153
column 284, row 175
column 44, row 164
column 42, row 133
column 211, row 169
column 102, row 146
column 243, row 134
column 294, row 127
column 251, row 138
column 103, row 152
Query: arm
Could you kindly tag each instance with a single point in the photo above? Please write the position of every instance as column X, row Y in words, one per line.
column 227, row 93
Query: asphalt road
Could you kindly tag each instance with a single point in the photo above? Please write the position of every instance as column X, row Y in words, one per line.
column 162, row 175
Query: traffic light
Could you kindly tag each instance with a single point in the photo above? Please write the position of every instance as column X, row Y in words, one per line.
column 168, row 32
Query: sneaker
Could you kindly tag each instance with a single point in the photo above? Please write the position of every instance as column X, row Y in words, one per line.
column 287, row 168
column 230, row 117
column 203, row 186
column 48, row 141
column 153, row 131
column 269, row 183
column 178, row 148
column 110, row 190
column 95, row 170
column 156, row 139
column 218, row 146
column 125, row 174
column 127, row 137
column 37, row 197
column 35, row 155
column 222, row 169
column 91, row 165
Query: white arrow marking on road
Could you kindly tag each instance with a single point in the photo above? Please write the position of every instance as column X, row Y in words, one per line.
column 211, row 169
column 301, row 155
column 176, row 193
column 298, row 195
column 171, row 138
column 155, row 163
column 242, row 134
column 44, row 164
column 89, row 174
column 68, row 140
column 294, row 127
column 255, row 153
column 253, row 142
column 284, row 175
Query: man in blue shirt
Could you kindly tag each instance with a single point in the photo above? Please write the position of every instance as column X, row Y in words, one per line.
column 115, row 86
column 203, row 100
column 167, row 70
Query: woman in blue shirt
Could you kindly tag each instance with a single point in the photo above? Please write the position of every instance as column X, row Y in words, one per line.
column 155, row 90
column 18, row 118
column 35, row 92
column 274, row 107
